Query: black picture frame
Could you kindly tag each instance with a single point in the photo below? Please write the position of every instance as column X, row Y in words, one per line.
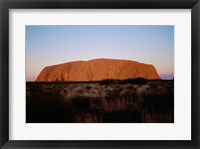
column 5, row 5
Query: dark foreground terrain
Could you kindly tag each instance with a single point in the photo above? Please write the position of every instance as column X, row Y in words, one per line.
column 108, row 101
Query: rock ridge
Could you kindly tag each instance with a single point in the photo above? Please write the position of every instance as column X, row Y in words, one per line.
column 98, row 69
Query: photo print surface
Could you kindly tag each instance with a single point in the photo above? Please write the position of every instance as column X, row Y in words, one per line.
column 99, row 74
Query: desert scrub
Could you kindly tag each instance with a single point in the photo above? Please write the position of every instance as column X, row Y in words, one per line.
column 85, row 117
column 158, row 107
column 156, row 117
column 128, row 100
column 69, row 102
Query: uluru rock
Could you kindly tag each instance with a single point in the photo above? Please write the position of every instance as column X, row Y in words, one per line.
column 98, row 69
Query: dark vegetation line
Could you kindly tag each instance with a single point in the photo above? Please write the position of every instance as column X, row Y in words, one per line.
column 104, row 82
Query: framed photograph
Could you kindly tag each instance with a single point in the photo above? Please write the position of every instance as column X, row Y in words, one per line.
column 94, row 74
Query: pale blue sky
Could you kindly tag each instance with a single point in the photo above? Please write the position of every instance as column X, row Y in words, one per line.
column 50, row 45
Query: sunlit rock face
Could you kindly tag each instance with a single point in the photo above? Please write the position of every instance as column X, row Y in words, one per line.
column 98, row 69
